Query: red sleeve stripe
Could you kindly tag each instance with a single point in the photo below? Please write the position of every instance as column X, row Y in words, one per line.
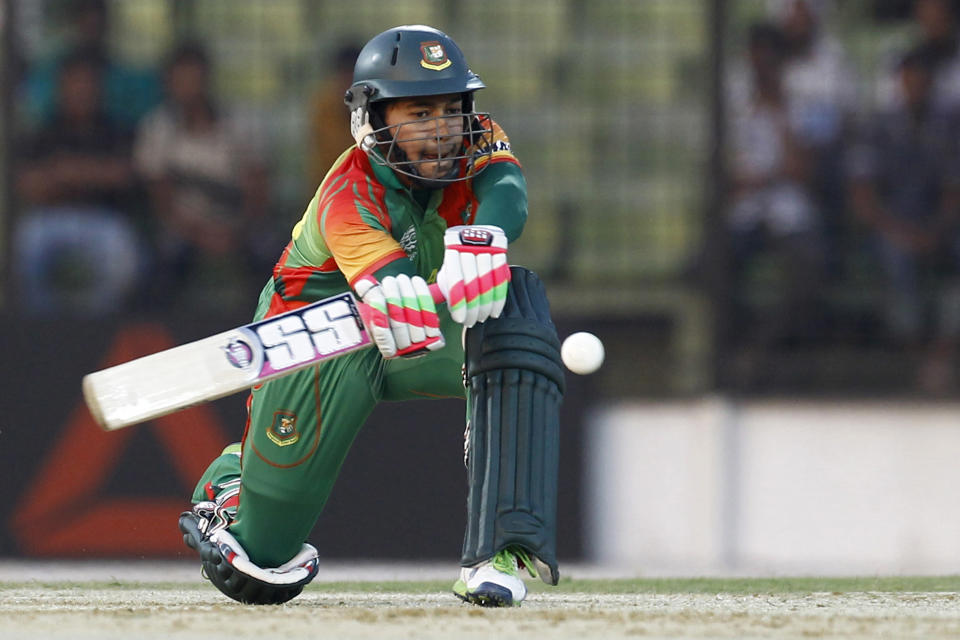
column 329, row 265
column 278, row 305
column 371, row 203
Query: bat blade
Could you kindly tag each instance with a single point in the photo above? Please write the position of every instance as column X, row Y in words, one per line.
column 225, row 363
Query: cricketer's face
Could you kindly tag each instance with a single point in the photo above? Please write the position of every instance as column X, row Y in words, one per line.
column 429, row 131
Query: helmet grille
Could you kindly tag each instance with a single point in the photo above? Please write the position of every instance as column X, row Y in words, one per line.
column 476, row 143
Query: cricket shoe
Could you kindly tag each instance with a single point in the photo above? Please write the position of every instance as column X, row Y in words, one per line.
column 496, row 582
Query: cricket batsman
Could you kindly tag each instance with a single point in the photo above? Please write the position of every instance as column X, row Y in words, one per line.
column 431, row 192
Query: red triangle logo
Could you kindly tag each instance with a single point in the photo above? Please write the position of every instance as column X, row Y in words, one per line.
column 63, row 511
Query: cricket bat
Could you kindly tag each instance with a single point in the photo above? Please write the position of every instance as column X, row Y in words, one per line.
column 222, row 364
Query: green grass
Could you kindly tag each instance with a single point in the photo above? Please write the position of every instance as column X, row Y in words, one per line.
column 897, row 584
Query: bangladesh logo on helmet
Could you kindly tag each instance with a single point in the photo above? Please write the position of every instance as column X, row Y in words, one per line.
column 434, row 56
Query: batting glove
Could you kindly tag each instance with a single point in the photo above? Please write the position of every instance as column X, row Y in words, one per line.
column 400, row 314
column 474, row 275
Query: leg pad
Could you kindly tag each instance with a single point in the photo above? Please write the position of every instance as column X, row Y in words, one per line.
column 515, row 385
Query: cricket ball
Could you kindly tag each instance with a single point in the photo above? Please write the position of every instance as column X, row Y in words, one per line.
column 582, row 352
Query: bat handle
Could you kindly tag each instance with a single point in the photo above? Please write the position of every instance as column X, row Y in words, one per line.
column 436, row 293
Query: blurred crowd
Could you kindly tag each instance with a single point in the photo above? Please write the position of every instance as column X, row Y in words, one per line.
column 828, row 186
column 136, row 188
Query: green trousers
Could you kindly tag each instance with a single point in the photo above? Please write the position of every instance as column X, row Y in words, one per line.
column 300, row 429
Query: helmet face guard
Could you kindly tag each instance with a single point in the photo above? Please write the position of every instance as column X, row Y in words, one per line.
column 409, row 62
column 451, row 146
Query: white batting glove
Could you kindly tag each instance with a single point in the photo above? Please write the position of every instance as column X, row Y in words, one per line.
column 474, row 275
column 400, row 314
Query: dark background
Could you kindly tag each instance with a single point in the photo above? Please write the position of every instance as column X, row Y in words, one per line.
column 402, row 491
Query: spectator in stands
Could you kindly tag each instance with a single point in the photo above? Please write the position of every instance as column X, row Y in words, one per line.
column 76, row 246
column 128, row 92
column 939, row 42
column 821, row 92
column 207, row 190
column 905, row 188
column 771, row 209
column 817, row 79
column 329, row 120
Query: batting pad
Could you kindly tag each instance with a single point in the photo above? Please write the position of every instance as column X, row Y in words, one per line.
column 515, row 383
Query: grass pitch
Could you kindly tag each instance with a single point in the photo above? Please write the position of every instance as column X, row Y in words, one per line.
column 901, row 607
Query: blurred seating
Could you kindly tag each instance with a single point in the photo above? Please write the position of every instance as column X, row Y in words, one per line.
column 329, row 121
column 128, row 91
column 773, row 210
column 905, row 190
column 207, row 191
column 77, row 241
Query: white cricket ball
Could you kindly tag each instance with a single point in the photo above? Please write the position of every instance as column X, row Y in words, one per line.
column 582, row 352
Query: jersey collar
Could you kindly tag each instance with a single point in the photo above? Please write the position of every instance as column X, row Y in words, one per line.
column 386, row 176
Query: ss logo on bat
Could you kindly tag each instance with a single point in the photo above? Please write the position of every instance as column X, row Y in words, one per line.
column 315, row 333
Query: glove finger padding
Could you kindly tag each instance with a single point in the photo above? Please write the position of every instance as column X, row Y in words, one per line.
column 450, row 279
column 400, row 314
column 501, row 281
column 474, row 274
column 428, row 313
column 396, row 313
column 471, row 286
column 420, row 316
column 373, row 312
column 413, row 315
column 485, row 281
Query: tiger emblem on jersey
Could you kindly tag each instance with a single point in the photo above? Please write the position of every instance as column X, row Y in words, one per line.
column 408, row 242
column 283, row 431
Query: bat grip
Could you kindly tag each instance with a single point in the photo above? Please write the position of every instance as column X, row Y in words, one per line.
column 436, row 293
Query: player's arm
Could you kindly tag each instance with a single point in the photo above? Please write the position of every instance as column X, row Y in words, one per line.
column 501, row 191
column 395, row 302
column 498, row 184
column 474, row 276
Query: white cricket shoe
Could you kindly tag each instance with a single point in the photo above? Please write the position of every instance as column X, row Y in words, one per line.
column 496, row 582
